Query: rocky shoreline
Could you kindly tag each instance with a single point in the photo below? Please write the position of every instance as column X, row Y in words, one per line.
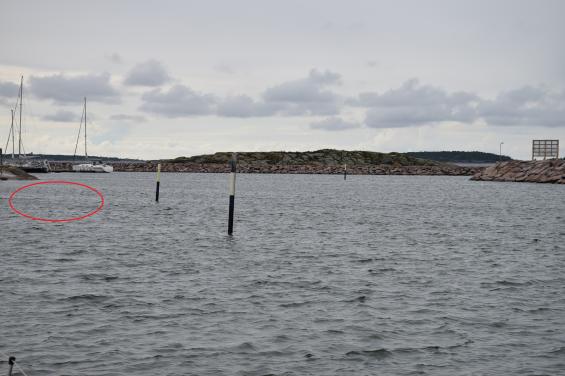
column 439, row 169
column 550, row 171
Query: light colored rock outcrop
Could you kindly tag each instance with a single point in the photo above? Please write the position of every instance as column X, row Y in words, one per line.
column 13, row 173
column 550, row 171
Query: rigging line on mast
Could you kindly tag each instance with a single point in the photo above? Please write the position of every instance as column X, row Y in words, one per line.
column 21, row 106
column 13, row 136
column 12, row 125
column 85, row 152
column 78, row 136
column 9, row 135
column 11, row 132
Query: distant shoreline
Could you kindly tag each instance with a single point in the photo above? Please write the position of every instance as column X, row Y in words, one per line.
column 434, row 170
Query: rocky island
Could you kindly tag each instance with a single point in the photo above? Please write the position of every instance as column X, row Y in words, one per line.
column 325, row 161
column 549, row 171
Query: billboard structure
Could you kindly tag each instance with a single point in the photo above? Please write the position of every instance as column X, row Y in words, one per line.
column 546, row 149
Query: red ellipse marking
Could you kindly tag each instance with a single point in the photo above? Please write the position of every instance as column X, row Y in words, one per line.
column 62, row 182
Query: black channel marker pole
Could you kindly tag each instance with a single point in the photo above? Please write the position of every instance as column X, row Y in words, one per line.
column 233, row 163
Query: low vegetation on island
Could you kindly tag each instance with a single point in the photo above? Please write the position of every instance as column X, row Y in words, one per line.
column 460, row 156
column 325, row 161
column 323, row 157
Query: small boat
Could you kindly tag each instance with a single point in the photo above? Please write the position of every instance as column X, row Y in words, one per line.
column 28, row 164
column 88, row 166
column 95, row 166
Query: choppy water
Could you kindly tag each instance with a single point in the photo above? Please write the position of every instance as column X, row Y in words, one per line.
column 385, row 275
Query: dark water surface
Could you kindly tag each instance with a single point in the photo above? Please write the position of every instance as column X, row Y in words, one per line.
column 386, row 275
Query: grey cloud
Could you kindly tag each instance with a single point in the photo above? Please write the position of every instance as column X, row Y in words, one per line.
column 414, row 104
column 149, row 73
column 309, row 89
column 224, row 68
column 244, row 106
column 129, row 118
column 8, row 92
column 72, row 89
column 306, row 96
column 334, row 124
column 115, row 58
column 178, row 101
column 9, row 89
column 530, row 106
column 62, row 116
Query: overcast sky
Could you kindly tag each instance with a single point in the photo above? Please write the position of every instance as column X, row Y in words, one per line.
column 171, row 78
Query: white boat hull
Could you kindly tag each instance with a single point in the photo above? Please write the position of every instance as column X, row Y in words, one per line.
column 89, row 167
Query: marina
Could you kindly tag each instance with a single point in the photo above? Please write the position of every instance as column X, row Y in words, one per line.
column 298, row 188
column 19, row 159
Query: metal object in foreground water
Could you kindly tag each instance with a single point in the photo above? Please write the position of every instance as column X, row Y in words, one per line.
column 233, row 163
column 11, row 361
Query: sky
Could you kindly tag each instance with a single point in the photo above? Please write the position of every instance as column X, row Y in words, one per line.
column 178, row 78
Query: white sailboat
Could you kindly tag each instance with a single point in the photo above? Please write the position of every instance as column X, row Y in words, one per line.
column 28, row 163
column 88, row 166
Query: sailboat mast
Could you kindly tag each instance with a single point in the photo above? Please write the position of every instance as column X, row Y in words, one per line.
column 85, row 153
column 21, row 103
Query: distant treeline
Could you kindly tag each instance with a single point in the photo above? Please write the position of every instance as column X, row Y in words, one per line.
column 459, row 156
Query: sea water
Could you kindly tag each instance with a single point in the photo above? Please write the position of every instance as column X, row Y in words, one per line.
column 388, row 275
